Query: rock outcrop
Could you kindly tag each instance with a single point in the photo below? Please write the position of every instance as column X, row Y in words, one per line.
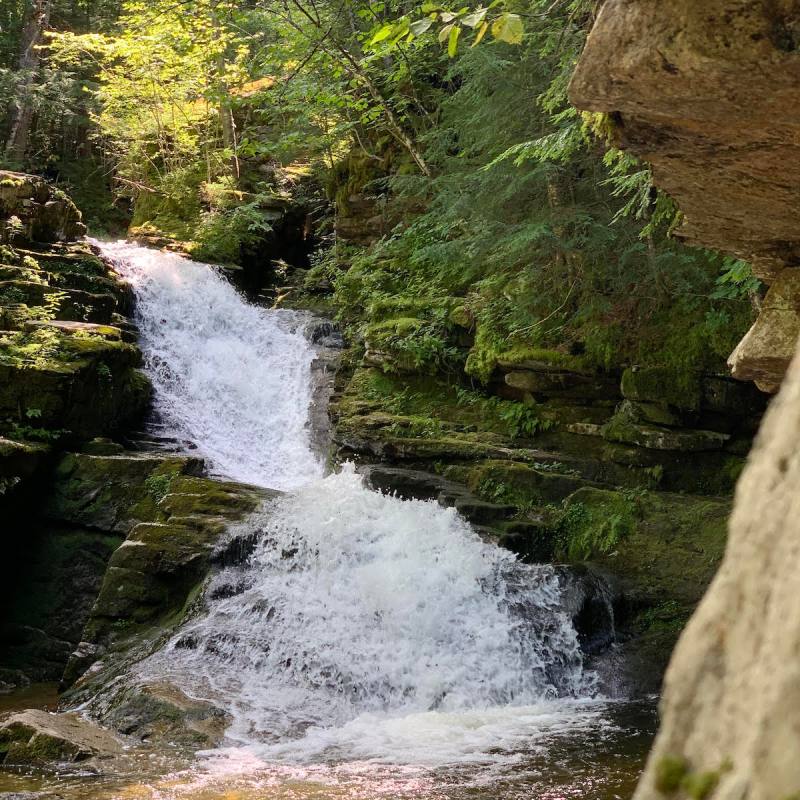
column 731, row 707
column 32, row 210
column 35, row 738
column 709, row 94
column 68, row 358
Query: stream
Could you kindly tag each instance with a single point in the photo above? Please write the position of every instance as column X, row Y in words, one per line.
column 368, row 646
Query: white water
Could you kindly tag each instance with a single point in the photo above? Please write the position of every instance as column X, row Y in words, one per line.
column 362, row 627
column 230, row 377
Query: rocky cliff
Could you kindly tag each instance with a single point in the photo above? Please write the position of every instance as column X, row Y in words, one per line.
column 709, row 94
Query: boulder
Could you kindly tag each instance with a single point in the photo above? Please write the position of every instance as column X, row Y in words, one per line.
column 731, row 706
column 160, row 712
column 36, row 737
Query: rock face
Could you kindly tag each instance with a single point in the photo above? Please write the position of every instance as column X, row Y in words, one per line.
column 68, row 358
column 731, row 706
column 34, row 211
column 708, row 93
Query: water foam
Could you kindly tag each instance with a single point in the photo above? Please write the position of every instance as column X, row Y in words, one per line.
column 230, row 377
column 364, row 626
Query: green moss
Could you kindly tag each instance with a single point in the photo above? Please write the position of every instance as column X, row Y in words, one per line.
column 700, row 785
column 669, row 773
column 537, row 355
column 523, row 485
column 594, row 523
column 157, row 485
column 680, row 388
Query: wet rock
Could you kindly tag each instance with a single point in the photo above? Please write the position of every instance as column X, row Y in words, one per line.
column 161, row 712
column 38, row 737
column 481, row 512
column 405, row 483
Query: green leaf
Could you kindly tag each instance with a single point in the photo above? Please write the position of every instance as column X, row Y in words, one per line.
column 475, row 18
column 448, row 16
column 383, row 33
column 481, row 33
column 420, row 26
column 452, row 42
column 508, row 28
column 445, row 32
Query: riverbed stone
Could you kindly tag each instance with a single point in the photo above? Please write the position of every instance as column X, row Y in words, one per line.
column 161, row 712
column 38, row 738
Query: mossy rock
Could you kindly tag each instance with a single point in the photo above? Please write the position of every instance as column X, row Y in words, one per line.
column 523, row 484
column 545, row 381
column 38, row 738
column 681, row 389
column 622, row 428
column 671, row 547
column 21, row 458
column 112, row 492
column 537, row 358
column 161, row 712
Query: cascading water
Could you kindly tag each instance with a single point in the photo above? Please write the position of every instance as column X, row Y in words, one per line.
column 362, row 627
column 230, row 377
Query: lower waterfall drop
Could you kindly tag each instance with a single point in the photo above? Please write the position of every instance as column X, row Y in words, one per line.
column 360, row 616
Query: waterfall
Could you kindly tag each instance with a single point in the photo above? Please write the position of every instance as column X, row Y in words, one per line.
column 362, row 626
column 230, row 377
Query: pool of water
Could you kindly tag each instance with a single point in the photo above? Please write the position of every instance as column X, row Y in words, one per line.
column 600, row 761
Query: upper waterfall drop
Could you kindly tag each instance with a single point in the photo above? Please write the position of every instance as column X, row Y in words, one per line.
column 231, row 377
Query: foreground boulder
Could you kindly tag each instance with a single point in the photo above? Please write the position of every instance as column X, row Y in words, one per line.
column 731, row 707
column 35, row 738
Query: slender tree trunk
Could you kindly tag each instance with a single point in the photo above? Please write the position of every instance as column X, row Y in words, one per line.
column 29, row 60
column 225, row 108
column 354, row 68
column 227, row 122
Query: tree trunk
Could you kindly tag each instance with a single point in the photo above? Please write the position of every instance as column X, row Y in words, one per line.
column 29, row 60
column 225, row 108
column 228, row 127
